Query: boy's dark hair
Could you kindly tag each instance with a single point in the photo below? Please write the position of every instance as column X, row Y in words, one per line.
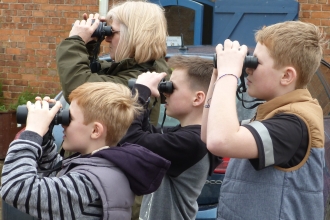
column 198, row 69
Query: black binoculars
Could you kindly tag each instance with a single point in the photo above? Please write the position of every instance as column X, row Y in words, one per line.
column 102, row 30
column 249, row 62
column 61, row 117
column 163, row 86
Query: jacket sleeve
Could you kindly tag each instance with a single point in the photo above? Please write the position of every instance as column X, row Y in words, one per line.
column 42, row 197
column 72, row 59
column 182, row 146
column 49, row 157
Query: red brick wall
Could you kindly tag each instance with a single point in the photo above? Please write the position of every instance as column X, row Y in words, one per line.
column 318, row 13
column 30, row 32
column 28, row 39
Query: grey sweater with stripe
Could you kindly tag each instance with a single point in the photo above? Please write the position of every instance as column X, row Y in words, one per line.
column 39, row 196
column 72, row 194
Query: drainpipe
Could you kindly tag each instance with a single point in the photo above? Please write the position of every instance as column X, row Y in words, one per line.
column 103, row 7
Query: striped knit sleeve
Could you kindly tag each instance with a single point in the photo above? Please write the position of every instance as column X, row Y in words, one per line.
column 65, row 197
column 49, row 157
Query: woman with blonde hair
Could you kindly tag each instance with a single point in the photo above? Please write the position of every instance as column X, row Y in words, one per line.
column 137, row 44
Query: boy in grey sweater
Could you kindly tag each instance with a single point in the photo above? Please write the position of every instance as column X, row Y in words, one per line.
column 176, row 198
column 97, row 182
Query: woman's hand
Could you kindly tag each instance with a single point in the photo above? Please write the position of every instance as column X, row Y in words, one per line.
column 86, row 27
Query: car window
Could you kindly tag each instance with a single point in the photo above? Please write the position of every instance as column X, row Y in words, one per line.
column 58, row 129
column 169, row 121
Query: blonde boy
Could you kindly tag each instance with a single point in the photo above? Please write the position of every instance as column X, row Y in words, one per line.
column 276, row 170
column 95, row 183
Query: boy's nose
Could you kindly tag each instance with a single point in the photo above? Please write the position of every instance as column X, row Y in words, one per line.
column 249, row 70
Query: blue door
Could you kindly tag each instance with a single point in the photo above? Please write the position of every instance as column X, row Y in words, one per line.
column 233, row 19
column 239, row 19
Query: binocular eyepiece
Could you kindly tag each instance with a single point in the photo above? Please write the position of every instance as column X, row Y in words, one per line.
column 163, row 86
column 249, row 62
column 102, row 30
column 61, row 117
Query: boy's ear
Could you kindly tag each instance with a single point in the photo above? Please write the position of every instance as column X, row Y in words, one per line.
column 289, row 76
column 98, row 130
column 199, row 98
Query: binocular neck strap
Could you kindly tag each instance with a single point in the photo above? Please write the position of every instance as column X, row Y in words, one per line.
column 242, row 89
column 162, row 125
column 95, row 66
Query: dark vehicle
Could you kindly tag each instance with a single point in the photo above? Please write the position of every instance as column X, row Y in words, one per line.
column 208, row 199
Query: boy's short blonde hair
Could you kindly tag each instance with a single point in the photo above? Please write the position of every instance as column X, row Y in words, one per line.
column 199, row 70
column 294, row 43
column 143, row 30
column 108, row 103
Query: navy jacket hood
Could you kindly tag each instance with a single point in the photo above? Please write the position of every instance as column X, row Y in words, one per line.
column 143, row 168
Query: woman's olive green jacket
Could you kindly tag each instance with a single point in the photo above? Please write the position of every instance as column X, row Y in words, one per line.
column 73, row 59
